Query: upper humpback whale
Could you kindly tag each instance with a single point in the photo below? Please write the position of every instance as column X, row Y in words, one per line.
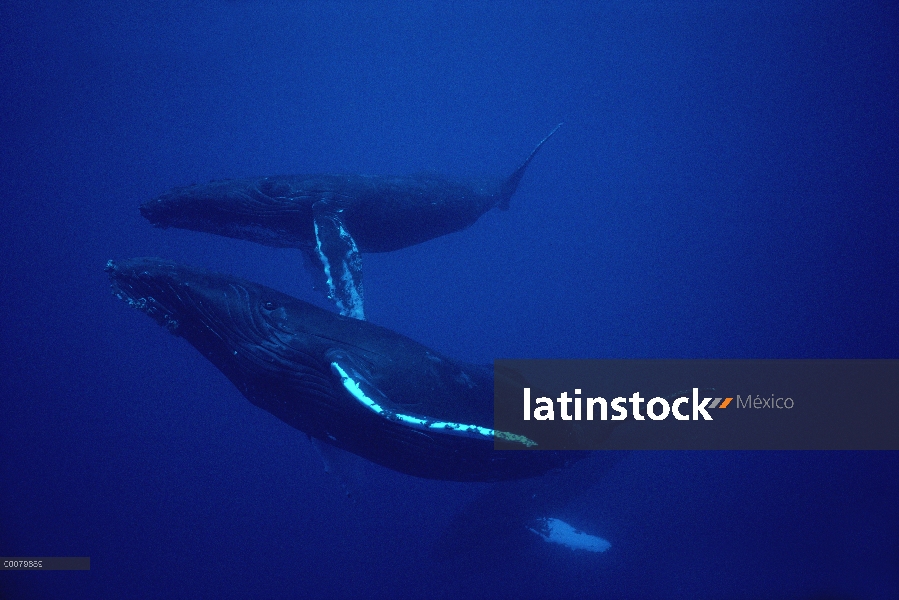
column 346, row 382
column 333, row 218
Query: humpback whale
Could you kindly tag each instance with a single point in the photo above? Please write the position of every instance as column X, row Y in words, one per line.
column 346, row 382
column 334, row 218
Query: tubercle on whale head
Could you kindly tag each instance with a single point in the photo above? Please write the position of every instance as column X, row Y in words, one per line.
column 217, row 320
column 130, row 293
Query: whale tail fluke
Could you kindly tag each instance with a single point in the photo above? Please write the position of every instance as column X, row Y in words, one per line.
column 511, row 184
column 557, row 531
column 504, row 517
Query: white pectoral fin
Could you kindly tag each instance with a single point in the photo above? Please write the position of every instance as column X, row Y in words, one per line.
column 357, row 383
column 557, row 531
column 340, row 258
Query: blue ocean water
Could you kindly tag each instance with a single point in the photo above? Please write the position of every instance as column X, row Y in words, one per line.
column 725, row 186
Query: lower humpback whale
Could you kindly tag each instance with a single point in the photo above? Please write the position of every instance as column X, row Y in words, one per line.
column 346, row 382
column 333, row 218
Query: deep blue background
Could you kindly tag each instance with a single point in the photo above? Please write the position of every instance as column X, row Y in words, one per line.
column 725, row 185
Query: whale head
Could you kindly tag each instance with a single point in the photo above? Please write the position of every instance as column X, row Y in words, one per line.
column 262, row 210
column 261, row 339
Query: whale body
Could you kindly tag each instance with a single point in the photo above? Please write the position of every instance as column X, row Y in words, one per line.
column 346, row 382
column 334, row 218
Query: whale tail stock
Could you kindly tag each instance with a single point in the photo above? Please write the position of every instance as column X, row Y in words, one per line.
column 511, row 184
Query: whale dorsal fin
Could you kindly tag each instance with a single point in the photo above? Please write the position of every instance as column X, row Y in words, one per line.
column 511, row 184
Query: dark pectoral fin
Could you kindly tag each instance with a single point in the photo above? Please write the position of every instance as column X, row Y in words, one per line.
column 335, row 464
column 340, row 258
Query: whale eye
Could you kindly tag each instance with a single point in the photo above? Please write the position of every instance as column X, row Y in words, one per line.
column 275, row 189
column 269, row 305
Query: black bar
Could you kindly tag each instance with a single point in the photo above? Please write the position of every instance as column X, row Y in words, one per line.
column 45, row 563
